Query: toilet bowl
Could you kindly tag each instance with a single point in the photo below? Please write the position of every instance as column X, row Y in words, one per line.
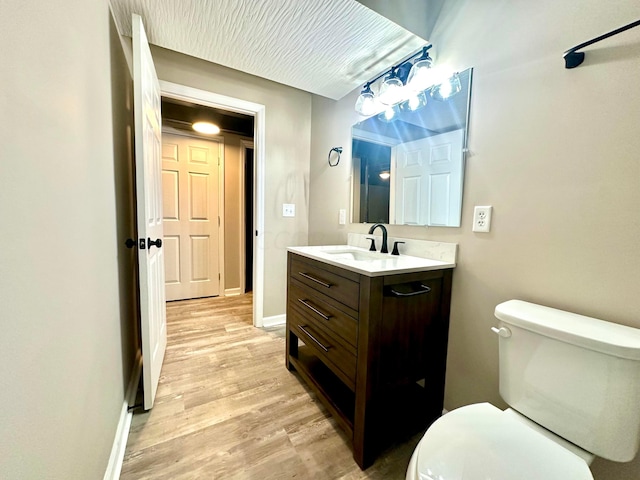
column 569, row 381
column 481, row 442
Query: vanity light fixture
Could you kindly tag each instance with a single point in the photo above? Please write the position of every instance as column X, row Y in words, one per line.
column 415, row 101
column 366, row 105
column 207, row 128
column 447, row 88
column 392, row 89
column 389, row 113
column 421, row 75
column 406, row 86
column 385, row 175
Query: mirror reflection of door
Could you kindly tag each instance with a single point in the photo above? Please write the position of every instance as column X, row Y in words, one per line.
column 427, row 181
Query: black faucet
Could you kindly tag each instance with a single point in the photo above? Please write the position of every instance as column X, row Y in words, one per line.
column 383, row 249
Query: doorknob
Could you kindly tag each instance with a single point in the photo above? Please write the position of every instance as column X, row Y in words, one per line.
column 157, row 243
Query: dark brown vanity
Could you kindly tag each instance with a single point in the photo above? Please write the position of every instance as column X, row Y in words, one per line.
column 372, row 347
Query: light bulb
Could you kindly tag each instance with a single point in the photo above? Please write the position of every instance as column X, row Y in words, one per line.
column 389, row 113
column 391, row 90
column 366, row 104
column 447, row 88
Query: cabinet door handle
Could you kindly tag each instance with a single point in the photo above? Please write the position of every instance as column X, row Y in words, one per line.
column 326, row 349
column 306, row 275
column 423, row 289
column 314, row 309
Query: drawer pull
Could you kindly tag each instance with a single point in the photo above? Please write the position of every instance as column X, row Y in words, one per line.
column 324, row 284
column 422, row 289
column 314, row 309
column 326, row 349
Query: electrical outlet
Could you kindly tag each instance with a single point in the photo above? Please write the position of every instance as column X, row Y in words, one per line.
column 288, row 210
column 482, row 219
column 342, row 216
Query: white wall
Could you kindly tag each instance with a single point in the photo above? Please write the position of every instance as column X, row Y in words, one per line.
column 288, row 127
column 553, row 150
column 61, row 356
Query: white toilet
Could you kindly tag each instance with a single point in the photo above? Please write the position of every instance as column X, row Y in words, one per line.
column 573, row 384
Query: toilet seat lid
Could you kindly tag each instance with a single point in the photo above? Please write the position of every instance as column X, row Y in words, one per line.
column 480, row 442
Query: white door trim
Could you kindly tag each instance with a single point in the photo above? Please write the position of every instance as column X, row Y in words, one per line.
column 244, row 145
column 210, row 99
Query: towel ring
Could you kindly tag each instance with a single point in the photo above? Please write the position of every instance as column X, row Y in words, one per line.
column 338, row 150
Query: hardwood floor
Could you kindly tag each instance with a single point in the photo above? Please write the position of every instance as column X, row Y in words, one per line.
column 227, row 408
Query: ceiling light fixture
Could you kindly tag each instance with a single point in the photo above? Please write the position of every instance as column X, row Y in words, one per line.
column 206, row 128
column 407, row 85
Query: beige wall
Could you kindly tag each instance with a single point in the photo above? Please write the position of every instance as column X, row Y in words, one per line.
column 553, row 150
column 61, row 348
column 288, row 125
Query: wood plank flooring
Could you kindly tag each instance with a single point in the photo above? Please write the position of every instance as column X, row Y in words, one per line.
column 227, row 408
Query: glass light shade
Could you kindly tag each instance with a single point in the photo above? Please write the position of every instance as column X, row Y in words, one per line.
column 389, row 114
column 385, row 175
column 207, row 128
column 421, row 76
column 415, row 101
column 447, row 89
column 391, row 90
column 366, row 103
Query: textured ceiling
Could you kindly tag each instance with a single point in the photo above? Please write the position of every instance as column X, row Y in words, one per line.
column 326, row 47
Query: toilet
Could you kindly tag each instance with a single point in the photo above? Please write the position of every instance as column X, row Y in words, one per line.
column 573, row 387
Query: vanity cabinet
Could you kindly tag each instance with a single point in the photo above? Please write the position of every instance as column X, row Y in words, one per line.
column 373, row 348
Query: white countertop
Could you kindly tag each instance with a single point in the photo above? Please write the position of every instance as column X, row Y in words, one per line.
column 372, row 264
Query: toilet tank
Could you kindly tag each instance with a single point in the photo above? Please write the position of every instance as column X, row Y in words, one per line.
column 577, row 376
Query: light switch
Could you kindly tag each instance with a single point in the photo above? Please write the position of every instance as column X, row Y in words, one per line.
column 288, row 210
column 342, row 217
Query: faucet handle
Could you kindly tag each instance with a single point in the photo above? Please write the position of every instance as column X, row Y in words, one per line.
column 395, row 248
column 372, row 248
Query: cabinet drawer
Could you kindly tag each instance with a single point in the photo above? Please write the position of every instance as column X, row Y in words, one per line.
column 325, row 281
column 318, row 309
column 339, row 359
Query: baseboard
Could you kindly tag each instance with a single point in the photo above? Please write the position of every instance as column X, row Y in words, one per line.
column 231, row 292
column 274, row 321
column 124, row 423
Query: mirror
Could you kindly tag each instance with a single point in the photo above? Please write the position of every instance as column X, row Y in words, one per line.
column 409, row 169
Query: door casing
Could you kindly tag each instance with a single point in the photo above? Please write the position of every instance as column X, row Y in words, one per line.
column 215, row 100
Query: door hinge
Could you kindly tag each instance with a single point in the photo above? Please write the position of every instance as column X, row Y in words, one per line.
column 218, row 221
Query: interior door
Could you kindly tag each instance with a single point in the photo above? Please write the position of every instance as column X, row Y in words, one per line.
column 428, row 180
column 190, row 180
column 148, row 144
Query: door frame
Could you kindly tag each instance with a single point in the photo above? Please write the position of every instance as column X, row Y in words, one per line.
column 216, row 100
column 244, row 145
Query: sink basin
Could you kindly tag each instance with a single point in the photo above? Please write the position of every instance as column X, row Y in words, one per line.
column 356, row 255
column 369, row 263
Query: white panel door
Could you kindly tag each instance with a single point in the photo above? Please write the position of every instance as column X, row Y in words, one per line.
column 190, row 179
column 148, row 144
column 428, row 180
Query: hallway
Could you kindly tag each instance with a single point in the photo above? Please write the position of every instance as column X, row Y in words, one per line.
column 227, row 408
